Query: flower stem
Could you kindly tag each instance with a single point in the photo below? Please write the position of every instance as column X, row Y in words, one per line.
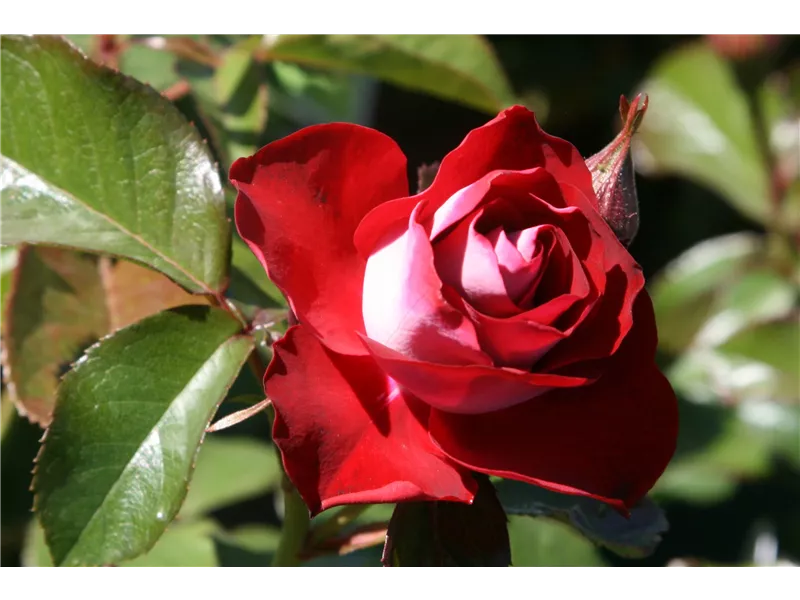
column 295, row 528
column 296, row 520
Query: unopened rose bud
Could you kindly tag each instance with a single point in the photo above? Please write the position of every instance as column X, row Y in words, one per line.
column 612, row 174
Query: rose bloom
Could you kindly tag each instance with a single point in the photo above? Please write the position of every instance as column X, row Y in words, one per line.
column 492, row 323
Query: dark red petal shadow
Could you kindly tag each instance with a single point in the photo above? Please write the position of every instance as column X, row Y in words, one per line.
column 346, row 433
column 300, row 201
column 610, row 440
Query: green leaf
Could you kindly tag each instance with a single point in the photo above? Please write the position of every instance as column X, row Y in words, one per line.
column 699, row 126
column 543, row 542
column 712, row 375
column 115, row 465
column 684, row 292
column 56, row 308
column 459, row 68
column 230, row 470
column 191, row 544
column 34, row 550
column 775, row 347
column 300, row 96
column 635, row 536
column 134, row 292
column 97, row 161
column 429, row 534
column 8, row 261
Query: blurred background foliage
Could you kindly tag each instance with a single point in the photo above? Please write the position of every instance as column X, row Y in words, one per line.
column 718, row 161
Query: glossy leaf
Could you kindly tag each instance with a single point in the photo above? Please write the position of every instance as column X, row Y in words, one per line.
column 635, row 536
column 230, row 470
column 56, row 308
column 699, row 126
column 118, row 456
column 97, row 161
column 8, row 260
column 428, row 534
column 134, row 292
column 459, row 68
column 191, row 544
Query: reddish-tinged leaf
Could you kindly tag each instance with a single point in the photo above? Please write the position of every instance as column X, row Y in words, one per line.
column 134, row 292
column 56, row 308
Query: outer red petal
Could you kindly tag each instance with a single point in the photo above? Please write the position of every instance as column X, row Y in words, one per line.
column 468, row 389
column 300, row 201
column 610, row 440
column 348, row 436
column 511, row 141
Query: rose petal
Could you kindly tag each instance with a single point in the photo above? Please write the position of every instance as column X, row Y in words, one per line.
column 522, row 261
column 403, row 305
column 517, row 342
column 346, row 433
column 514, row 190
column 511, row 141
column 617, row 275
column 468, row 389
column 300, row 201
column 610, row 440
column 466, row 261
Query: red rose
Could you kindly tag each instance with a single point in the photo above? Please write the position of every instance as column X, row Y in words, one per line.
column 491, row 323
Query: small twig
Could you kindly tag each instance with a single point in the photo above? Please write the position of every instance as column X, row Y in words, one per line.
column 239, row 416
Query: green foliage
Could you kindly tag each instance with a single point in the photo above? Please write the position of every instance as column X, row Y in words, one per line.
column 163, row 378
column 460, row 68
column 96, row 161
column 700, row 125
